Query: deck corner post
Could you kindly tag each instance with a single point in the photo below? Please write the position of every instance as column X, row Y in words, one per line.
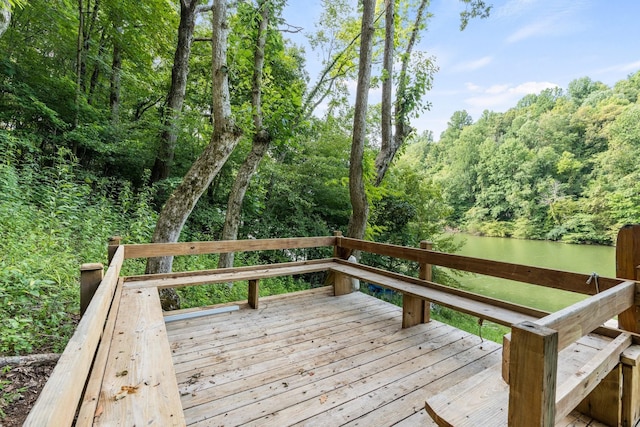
column 426, row 273
column 341, row 282
column 533, row 370
column 114, row 242
column 254, row 293
column 631, row 386
column 90, row 277
column 627, row 262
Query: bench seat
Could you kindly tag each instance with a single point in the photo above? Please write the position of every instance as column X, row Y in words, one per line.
column 480, row 306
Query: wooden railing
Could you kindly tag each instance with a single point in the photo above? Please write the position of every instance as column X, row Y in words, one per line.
column 534, row 344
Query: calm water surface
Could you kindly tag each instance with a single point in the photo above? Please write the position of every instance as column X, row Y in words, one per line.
column 559, row 256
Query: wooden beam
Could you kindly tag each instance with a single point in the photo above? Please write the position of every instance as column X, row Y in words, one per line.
column 225, row 275
column 114, row 242
column 412, row 311
column 90, row 277
column 426, row 273
column 579, row 319
column 565, row 280
column 532, row 375
column 381, row 278
column 627, row 262
column 223, row 246
column 139, row 386
column 573, row 390
column 60, row 396
column 254, row 293
column 341, row 284
column 631, row 386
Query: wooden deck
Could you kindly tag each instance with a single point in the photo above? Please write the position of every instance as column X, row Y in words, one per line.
column 313, row 359
column 330, row 357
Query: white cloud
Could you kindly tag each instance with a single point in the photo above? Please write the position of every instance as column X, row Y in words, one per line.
column 545, row 17
column 514, row 8
column 473, row 65
column 504, row 96
column 539, row 28
column 621, row 68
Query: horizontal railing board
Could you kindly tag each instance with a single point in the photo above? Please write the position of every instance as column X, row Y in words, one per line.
column 583, row 317
column 476, row 307
column 61, row 394
column 565, row 280
column 229, row 275
column 178, row 274
column 573, row 390
column 149, row 250
column 532, row 312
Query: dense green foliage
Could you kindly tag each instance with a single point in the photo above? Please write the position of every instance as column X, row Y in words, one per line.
column 560, row 165
column 79, row 135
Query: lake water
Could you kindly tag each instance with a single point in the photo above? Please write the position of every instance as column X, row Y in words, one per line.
column 559, row 256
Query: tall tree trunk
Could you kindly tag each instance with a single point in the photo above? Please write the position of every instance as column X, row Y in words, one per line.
column 116, row 74
column 389, row 150
column 359, row 203
column 261, row 141
column 387, row 82
column 177, row 90
column 79, row 55
column 224, row 139
column 96, row 69
column 87, row 31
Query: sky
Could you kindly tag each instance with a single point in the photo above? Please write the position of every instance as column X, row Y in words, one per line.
column 524, row 47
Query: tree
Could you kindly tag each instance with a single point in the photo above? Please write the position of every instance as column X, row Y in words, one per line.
column 357, row 194
column 175, row 97
column 261, row 139
column 224, row 139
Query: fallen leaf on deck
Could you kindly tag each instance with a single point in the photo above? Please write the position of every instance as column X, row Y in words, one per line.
column 323, row 398
column 130, row 389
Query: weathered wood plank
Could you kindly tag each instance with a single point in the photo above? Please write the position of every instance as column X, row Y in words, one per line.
column 254, row 293
column 94, row 384
column 631, row 386
column 224, row 246
column 532, row 312
column 469, row 303
column 532, row 375
column 581, row 318
column 484, row 395
column 229, row 275
column 322, row 395
column 139, row 386
column 572, row 391
column 61, row 394
column 627, row 263
column 391, row 406
column 565, row 280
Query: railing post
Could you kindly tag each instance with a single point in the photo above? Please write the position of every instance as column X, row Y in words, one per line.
column 532, row 375
column 627, row 262
column 114, row 242
column 628, row 267
column 90, row 277
column 426, row 273
column 254, row 291
column 341, row 282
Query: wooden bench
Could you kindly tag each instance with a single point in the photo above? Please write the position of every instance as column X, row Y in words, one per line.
column 491, row 309
column 539, row 382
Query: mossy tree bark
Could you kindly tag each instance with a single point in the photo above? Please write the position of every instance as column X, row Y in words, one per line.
column 224, row 139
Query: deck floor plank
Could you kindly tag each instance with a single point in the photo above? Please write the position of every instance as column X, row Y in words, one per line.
column 332, row 362
column 279, row 341
column 312, row 359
